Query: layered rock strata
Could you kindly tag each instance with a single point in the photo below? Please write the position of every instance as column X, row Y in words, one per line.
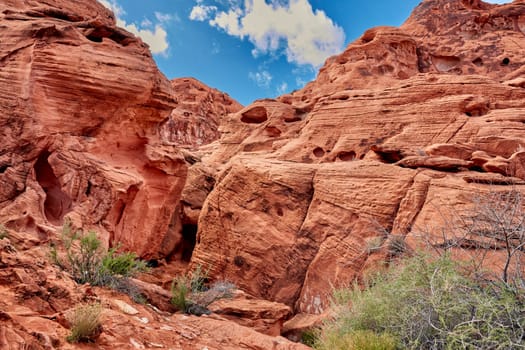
column 392, row 142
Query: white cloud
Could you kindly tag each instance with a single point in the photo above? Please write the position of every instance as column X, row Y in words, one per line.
column 166, row 17
column 498, row 1
column 262, row 78
column 201, row 12
column 156, row 38
column 113, row 6
column 293, row 27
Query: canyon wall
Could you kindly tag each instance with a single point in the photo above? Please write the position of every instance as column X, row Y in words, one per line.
column 391, row 143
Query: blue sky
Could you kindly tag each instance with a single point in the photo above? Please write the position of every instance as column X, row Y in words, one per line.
column 252, row 49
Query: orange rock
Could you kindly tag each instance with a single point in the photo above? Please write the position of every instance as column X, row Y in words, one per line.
column 301, row 193
column 261, row 315
column 295, row 328
column 79, row 133
column 310, row 188
column 195, row 120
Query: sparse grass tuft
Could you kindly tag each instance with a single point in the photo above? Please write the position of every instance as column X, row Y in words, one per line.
column 374, row 244
column 86, row 323
column 179, row 293
column 396, row 245
column 358, row 340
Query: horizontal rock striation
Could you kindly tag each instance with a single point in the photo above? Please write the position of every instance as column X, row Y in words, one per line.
column 81, row 102
column 390, row 144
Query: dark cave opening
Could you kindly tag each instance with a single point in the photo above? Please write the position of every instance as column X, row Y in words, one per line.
column 189, row 239
column 94, row 38
column 57, row 202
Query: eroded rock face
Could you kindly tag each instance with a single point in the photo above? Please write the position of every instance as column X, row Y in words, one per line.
column 83, row 139
column 80, row 135
column 409, row 124
column 36, row 296
column 195, row 121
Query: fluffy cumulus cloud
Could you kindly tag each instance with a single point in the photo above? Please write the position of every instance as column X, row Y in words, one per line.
column 201, row 12
column 153, row 34
column 307, row 37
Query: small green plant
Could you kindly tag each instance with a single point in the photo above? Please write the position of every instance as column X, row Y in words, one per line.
column 123, row 264
column 86, row 323
column 179, row 293
column 190, row 294
column 87, row 262
column 309, row 337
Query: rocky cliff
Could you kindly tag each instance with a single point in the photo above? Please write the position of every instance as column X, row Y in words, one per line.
column 396, row 134
column 80, row 134
column 195, row 121
column 83, row 138
column 390, row 144
column 86, row 141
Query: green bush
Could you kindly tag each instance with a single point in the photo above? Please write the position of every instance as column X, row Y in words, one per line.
column 427, row 303
column 123, row 264
column 87, row 262
column 179, row 293
column 85, row 322
column 185, row 285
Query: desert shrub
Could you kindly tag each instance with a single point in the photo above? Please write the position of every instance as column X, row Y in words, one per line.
column 426, row 303
column 87, row 262
column 358, row 340
column 495, row 223
column 123, row 285
column 179, row 293
column 124, row 264
column 191, row 294
column 396, row 245
column 374, row 244
column 86, row 323
column 309, row 337
column 85, row 265
column 185, row 285
column 216, row 291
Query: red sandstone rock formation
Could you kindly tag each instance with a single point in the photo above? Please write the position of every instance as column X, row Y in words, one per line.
column 195, row 121
column 301, row 193
column 83, row 139
column 80, row 134
column 36, row 295
column 399, row 131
